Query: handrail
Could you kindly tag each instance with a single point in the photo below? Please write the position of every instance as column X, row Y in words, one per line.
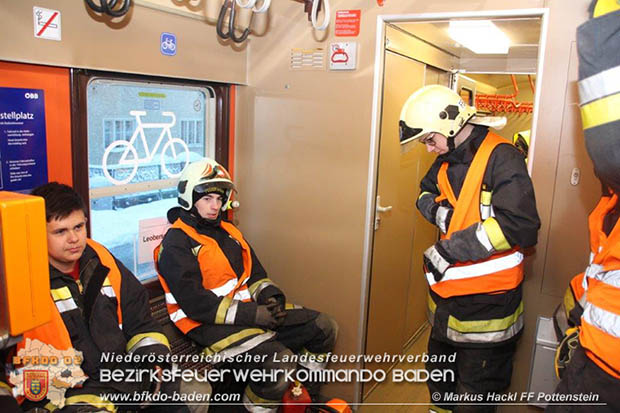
column 504, row 103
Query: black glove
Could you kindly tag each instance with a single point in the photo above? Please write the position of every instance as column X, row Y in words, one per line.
column 264, row 316
column 276, row 306
column 437, row 261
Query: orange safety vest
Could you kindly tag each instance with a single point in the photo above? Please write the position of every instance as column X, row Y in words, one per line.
column 55, row 332
column 217, row 274
column 600, row 335
column 499, row 272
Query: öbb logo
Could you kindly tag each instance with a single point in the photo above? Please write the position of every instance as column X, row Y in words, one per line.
column 31, row 95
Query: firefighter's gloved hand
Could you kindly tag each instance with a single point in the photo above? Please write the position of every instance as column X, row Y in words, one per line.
column 264, row 317
column 443, row 217
column 437, row 261
column 276, row 307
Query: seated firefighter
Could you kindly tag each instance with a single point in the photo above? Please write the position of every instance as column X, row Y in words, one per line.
column 218, row 293
column 98, row 307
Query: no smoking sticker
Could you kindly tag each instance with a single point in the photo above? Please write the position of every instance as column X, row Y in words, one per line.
column 46, row 23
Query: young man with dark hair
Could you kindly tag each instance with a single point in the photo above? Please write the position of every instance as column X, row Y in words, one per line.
column 98, row 308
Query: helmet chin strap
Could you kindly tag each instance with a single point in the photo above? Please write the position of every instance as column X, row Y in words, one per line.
column 451, row 145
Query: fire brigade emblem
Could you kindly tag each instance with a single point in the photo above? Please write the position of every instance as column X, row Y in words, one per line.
column 36, row 384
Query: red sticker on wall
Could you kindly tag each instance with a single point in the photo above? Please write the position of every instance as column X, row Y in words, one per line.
column 348, row 23
column 381, row 2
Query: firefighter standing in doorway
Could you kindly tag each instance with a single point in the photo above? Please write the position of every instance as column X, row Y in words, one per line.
column 480, row 196
column 594, row 295
column 218, row 293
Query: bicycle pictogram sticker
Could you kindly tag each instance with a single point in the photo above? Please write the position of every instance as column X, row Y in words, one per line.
column 174, row 149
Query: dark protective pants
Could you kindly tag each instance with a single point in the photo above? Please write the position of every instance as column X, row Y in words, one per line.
column 583, row 376
column 478, row 372
column 318, row 335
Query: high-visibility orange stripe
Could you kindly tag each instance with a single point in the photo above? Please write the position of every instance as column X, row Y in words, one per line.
column 601, row 348
column 604, row 296
column 498, row 281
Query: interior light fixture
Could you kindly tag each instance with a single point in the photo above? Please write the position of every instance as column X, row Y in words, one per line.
column 479, row 36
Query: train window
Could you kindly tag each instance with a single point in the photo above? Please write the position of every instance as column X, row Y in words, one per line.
column 140, row 137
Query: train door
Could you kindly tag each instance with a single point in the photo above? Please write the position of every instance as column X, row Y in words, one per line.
column 418, row 53
column 397, row 290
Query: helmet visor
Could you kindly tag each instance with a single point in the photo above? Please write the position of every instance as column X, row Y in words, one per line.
column 211, row 186
column 406, row 133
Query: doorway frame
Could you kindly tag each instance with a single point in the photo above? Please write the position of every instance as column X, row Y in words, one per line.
column 375, row 132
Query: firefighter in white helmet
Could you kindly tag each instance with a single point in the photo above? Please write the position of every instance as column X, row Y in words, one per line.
column 479, row 195
column 219, row 294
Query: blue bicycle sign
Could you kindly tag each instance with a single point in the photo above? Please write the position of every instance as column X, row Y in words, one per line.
column 168, row 44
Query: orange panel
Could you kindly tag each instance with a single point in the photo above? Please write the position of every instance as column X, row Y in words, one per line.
column 55, row 83
column 23, row 262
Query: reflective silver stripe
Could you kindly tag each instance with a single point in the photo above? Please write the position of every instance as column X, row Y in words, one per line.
column 312, row 365
column 254, row 408
column 483, row 238
column 231, row 313
column 487, row 337
column 591, row 257
column 225, row 289
column 66, row 305
column 600, row 85
column 146, row 341
column 170, row 298
column 120, row 326
column 611, row 278
column 108, row 292
column 246, row 346
column 602, row 319
column 440, row 218
column 583, row 300
column 260, row 288
column 479, row 269
column 592, row 271
column 485, row 212
column 242, row 295
column 177, row 315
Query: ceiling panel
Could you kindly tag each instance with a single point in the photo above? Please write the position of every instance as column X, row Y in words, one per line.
column 524, row 35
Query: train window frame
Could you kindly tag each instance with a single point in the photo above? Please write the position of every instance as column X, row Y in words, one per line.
column 219, row 94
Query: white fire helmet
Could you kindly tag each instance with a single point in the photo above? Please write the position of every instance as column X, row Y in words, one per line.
column 438, row 109
column 202, row 177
